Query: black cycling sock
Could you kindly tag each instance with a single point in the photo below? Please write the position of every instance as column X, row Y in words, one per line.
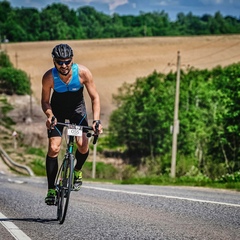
column 51, row 169
column 81, row 158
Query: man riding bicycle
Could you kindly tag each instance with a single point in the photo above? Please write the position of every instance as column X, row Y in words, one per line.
column 67, row 80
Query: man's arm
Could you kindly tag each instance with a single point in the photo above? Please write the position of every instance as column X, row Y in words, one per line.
column 87, row 80
column 47, row 85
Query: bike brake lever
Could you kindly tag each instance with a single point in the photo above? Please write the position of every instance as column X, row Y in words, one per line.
column 52, row 122
column 95, row 135
column 53, row 119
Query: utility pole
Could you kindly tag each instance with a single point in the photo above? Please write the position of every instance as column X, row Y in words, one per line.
column 16, row 59
column 31, row 104
column 176, row 121
column 94, row 161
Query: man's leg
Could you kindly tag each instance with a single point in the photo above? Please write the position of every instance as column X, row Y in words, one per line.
column 52, row 167
column 81, row 152
column 81, row 156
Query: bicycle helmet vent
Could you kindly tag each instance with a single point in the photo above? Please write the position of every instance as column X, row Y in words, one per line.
column 62, row 51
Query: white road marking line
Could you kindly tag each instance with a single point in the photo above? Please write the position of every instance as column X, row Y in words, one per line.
column 164, row 196
column 13, row 229
column 15, row 181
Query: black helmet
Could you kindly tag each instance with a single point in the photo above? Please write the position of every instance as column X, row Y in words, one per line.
column 62, row 51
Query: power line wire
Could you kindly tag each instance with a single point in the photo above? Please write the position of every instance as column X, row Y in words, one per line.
column 209, row 43
column 232, row 57
column 171, row 63
column 222, row 50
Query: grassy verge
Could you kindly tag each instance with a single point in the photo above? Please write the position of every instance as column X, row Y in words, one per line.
column 193, row 182
column 107, row 173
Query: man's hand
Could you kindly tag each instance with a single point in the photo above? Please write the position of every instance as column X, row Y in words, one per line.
column 51, row 122
column 97, row 126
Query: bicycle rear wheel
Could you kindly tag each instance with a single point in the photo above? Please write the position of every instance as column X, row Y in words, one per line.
column 64, row 187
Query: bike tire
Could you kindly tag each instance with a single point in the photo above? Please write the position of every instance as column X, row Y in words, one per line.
column 65, row 185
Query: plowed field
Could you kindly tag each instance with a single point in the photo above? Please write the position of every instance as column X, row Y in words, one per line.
column 115, row 61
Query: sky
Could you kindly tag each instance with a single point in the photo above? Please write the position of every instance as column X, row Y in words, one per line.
column 134, row 7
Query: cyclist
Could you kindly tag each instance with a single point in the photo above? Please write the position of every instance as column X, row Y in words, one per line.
column 66, row 81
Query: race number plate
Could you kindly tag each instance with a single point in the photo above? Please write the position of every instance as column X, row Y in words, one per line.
column 75, row 131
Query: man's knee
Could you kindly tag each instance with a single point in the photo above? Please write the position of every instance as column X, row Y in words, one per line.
column 83, row 145
column 53, row 151
column 54, row 147
column 83, row 149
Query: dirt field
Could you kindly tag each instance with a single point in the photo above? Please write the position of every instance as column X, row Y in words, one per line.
column 114, row 61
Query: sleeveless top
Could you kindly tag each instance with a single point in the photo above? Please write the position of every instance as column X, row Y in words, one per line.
column 74, row 84
column 67, row 100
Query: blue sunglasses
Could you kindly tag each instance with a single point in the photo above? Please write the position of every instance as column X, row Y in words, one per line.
column 63, row 62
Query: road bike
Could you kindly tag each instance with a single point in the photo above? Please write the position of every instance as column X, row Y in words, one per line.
column 64, row 182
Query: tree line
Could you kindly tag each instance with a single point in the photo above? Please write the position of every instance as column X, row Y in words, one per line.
column 209, row 135
column 58, row 22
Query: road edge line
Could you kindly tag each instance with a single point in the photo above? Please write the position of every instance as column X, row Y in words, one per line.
column 13, row 229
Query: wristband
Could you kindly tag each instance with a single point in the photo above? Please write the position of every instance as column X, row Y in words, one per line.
column 96, row 121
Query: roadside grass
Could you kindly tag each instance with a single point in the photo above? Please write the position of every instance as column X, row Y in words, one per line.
column 38, row 167
column 37, row 164
column 193, row 182
column 129, row 175
column 107, row 173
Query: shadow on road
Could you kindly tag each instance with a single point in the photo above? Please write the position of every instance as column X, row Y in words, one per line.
column 40, row 220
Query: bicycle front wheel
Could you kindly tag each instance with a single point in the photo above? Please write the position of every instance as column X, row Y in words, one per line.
column 65, row 184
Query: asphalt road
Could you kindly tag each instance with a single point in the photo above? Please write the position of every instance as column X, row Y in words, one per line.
column 107, row 211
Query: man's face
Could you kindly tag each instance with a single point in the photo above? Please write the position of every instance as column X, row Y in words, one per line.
column 63, row 65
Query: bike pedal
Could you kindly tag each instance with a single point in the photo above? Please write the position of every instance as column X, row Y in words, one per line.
column 51, row 203
column 65, row 194
column 76, row 187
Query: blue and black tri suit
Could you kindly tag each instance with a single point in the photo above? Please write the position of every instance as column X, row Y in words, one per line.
column 67, row 101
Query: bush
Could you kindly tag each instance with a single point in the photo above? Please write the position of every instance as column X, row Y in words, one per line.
column 5, row 106
column 128, row 172
column 7, row 121
column 229, row 178
column 4, row 60
column 14, row 81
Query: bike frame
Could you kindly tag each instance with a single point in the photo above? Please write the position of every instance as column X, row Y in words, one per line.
column 64, row 182
column 64, row 179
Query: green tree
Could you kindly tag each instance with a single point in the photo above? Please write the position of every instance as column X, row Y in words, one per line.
column 12, row 30
column 5, row 9
column 4, row 60
column 209, row 114
column 14, row 81
column 227, row 82
column 141, row 121
column 53, row 24
column 93, row 22
column 57, row 21
column 29, row 20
